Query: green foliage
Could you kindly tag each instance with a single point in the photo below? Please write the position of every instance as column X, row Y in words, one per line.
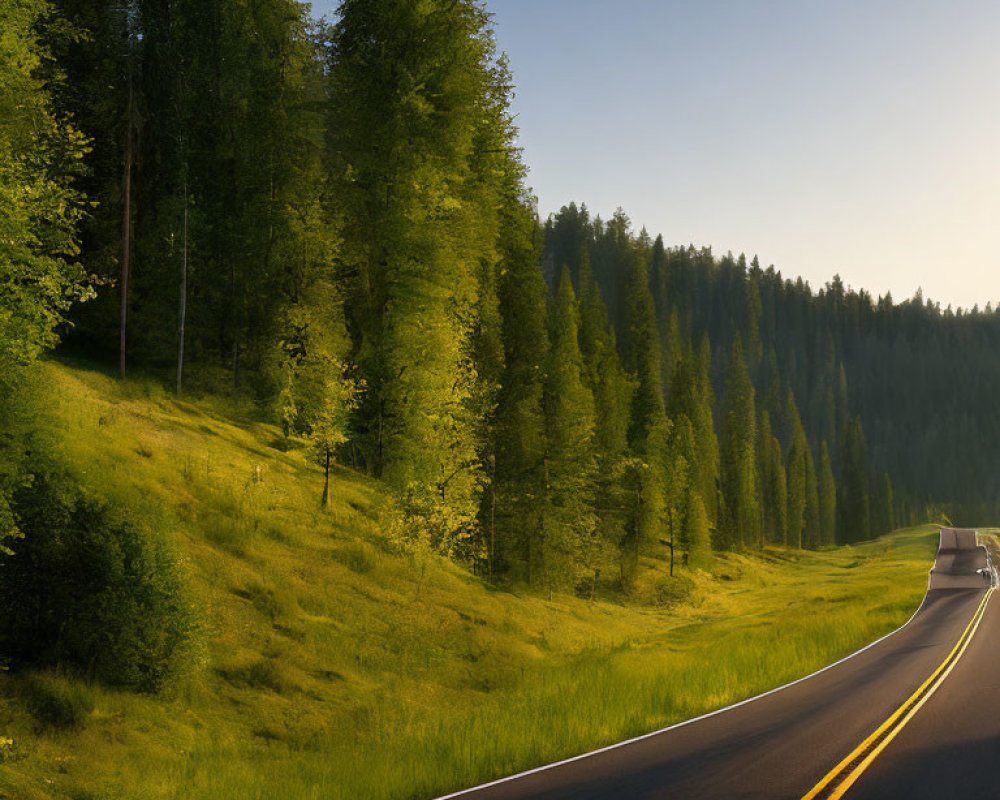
column 854, row 501
column 612, row 390
column 570, row 466
column 57, row 701
column 740, row 525
column 774, row 483
column 672, row 591
column 798, row 450
column 697, row 538
column 827, row 498
column 811, row 530
column 40, row 207
column 520, row 419
column 89, row 591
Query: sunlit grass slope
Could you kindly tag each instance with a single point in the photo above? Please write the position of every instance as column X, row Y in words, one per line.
column 333, row 667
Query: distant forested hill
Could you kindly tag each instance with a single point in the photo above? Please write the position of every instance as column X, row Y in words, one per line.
column 923, row 381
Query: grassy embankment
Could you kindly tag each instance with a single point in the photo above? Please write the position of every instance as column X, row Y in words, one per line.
column 334, row 667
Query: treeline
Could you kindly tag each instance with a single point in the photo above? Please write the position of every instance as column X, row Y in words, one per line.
column 922, row 379
column 335, row 219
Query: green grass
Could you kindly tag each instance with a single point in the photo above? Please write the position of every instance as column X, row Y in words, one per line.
column 332, row 666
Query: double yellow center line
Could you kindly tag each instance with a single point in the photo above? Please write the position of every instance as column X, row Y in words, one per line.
column 838, row 780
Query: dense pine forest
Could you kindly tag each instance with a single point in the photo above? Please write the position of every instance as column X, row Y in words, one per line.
column 335, row 221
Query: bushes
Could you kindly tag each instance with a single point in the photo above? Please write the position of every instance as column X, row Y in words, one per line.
column 58, row 702
column 88, row 590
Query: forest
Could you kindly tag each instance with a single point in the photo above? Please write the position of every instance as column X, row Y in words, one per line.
column 334, row 220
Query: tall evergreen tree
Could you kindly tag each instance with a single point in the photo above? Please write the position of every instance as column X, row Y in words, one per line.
column 883, row 513
column 797, row 468
column 740, row 521
column 827, row 498
column 612, row 391
column 409, row 85
column 697, row 538
column 570, row 468
column 519, row 477
column 649, row 428
column 774, row 486
column 853, row 502
column 811, row 530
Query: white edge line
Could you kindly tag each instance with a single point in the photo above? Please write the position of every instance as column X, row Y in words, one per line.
column 691, row 721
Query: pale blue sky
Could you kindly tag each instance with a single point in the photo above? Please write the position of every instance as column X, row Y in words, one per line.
column 850, row 136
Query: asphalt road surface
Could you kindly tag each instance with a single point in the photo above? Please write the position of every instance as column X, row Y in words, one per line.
column 915, row 715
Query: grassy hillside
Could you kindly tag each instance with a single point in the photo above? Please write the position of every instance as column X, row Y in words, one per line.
column 332, row 665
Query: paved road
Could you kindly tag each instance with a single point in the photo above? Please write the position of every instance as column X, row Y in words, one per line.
column 783, row 745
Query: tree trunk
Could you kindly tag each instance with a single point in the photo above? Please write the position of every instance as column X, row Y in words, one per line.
column 126, row 229
column 493, row 513
column 326, row 478
column 183, row 300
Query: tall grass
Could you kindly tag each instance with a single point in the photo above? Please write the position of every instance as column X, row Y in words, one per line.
column 598, row 698
column 336, row 668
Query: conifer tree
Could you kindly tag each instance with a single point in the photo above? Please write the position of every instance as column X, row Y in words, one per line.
column 827, row 498
column 774, row 489
column 697, row 538
column 673, row 348
column 519, row 477
column 681, row 455
column 612, row 391
column 700, row 412
column 883, row 513
column 741, row 522
column 811, row 532
column 409, row 85
column 649, row 428
column 570, row 468
column 797, row 468
column 853, row 502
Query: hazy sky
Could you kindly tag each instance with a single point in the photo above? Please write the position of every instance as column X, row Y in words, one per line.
column 851, row 136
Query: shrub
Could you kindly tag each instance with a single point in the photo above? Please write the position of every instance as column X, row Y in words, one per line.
column 87, row 589
column 673, row 591
column 55, row 701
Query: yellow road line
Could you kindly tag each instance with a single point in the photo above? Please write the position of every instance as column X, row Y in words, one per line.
column 887, row 731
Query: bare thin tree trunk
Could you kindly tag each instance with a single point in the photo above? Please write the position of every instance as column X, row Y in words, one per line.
column 326, row 480
column 183, row 299
column 493, row 513
column 126, row 230
column 671, row 544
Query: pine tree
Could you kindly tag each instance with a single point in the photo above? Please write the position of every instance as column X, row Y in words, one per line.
column 774, row 488
column 519, row 477
column 700, row 412
column 409, row 85
column 883, row 513
column 681, row 455
column 853, row 502
column 797, row 468
column 740, row 523
column 811, row 531
column 612, row 391
column 570, row 468
column 827, row 498
column 649, row 428
column 697, row 537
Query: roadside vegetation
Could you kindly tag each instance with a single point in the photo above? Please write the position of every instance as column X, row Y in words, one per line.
column 324, row 657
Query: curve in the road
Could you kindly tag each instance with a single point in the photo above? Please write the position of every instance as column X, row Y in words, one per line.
column 782, row 743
